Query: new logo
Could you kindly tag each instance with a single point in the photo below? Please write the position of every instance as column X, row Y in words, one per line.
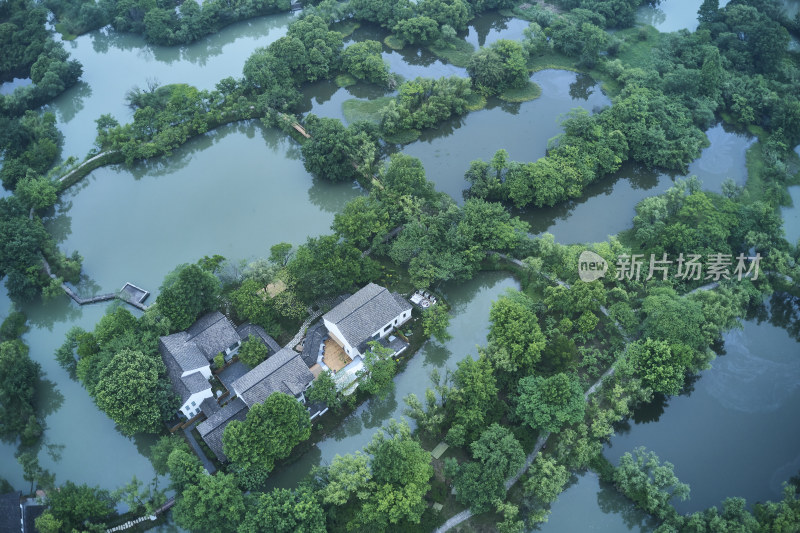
column 591, row 266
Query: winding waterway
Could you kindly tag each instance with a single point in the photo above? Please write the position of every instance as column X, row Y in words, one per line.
column 240, row 189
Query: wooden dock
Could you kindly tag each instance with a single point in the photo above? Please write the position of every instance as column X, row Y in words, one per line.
column 130, row 293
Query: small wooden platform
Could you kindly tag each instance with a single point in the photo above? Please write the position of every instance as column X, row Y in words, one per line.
column 439, row 450
column 134, row 293
column 334, row 356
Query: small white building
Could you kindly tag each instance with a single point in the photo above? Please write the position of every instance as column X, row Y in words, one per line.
column 370, row 314
column 188, row 355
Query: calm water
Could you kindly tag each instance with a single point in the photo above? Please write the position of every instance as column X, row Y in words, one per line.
column 243, row 188
column 602, row 508
column 115, row 63
column 608, row 206
column 470, row 303
column 236, row 192
column 736, row 433
column 672, row 15
column 523, row 129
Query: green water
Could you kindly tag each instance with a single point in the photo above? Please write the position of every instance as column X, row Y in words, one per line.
column 242, row 188
column 608, row 206
column 735, row 432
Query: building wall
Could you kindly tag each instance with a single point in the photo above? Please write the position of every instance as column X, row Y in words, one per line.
column 333, row 331
column 197, row 398
column 387, row 328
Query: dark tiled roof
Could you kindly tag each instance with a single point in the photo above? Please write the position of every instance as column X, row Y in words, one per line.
column 10, row 513
column 195, row 382
column 314, row 337
column 194, row 348
column 212, row 428
column 32, row 512
column 212, row 333
column 209, row 406
column 283, row 372
column 364, row 313
column 248, row 329
column 183, row 352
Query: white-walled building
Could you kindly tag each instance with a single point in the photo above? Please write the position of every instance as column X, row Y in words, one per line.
column 188, row 355
column 370, row 314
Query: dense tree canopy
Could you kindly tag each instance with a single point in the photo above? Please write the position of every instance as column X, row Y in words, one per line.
column 19, row 376
column 212, row 504
column 188, row 292
column 324, row 266
column 515, row 330
column 550, row 403
column 269, row 432
column 498, row 67
column 132, row 391
column 284, row 511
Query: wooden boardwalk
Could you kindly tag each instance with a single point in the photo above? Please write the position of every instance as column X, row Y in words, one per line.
column 124, row 295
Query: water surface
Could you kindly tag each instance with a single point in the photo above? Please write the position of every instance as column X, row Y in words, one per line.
column 602, row 509
column 607, row 206
column 736, row 433
column 114, row 63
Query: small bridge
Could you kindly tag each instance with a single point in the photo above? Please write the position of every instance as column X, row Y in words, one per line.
column 130, row 293
column 141, row 519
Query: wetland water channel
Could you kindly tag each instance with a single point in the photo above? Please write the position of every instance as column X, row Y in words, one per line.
column 242, row 188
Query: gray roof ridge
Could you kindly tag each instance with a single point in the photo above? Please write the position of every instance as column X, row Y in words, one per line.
column 286, row 362
column 365, row 302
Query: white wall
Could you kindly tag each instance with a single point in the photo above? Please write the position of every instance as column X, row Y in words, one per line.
column 197, row 398
column 399, row 320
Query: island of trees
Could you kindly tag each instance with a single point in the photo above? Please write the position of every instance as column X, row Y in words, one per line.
column 565, row 360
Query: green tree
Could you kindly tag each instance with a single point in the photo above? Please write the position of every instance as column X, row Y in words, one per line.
column 435, row 321
column 47, row 523
column 36, row 192
column 515, row 329
column 323, row 389
column 269, row 432
column 419, row 29
column 497, row 455
column 473, row 400
column 213, row 504
column 188, row 292
column 132, row 390
column 253, row 351
column 363, row 60
column 379, row 368
column 280, row 253
column 248, row 304
column 401, row 473
column 498, row 67
column 19, row 376
column 73, row 505
column 161, row 450
column 285, row 511
column 184, row 469
column 649, row 483
column 661, row 366
column 547, row 479
column 324, row 266
column 363, row 220
column 550, row 403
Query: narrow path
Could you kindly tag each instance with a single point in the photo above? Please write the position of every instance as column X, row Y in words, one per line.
column 168, row 505
column 198, row 450
column 94, row 299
